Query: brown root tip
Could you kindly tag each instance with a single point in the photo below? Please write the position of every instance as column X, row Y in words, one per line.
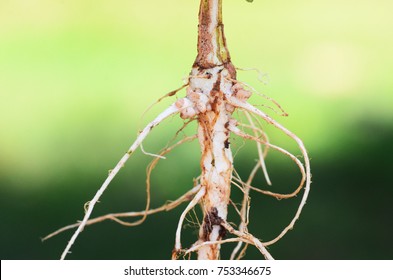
column 175, row 254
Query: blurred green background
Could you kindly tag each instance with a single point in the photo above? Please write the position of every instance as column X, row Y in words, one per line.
column 77, row 75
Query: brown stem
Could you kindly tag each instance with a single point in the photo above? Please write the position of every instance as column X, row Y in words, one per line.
column 212, row 48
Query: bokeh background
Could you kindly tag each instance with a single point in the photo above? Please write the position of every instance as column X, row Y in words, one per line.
column 76, row 77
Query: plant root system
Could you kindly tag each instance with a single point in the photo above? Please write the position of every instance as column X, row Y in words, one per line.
column 213, row 94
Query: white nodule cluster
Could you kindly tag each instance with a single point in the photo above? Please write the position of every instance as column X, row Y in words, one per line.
column 193, row 104
column 199, row 99
column 240, row 93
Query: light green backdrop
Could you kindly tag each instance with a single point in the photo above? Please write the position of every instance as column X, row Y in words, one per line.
column 76, row 77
